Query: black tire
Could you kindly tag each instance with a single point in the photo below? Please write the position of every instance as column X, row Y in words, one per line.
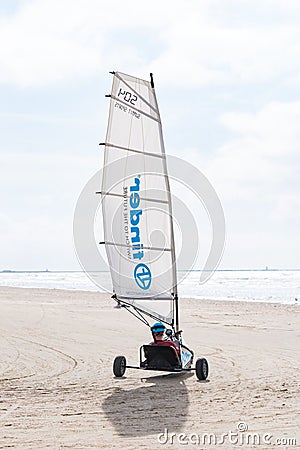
column 202, row 369
column 119, row 366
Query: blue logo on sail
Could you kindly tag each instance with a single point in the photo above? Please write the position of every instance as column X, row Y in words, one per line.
column 142, row 276
column 142, row 273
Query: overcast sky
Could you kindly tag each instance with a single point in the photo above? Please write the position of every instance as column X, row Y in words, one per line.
column 227, row 76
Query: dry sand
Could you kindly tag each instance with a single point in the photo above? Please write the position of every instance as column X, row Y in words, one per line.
column 58, row 391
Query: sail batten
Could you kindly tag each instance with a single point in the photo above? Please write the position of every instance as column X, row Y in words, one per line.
column 144, row 247
column 146, row 199
column 136, row 202
column 134, row 150
column 122, row 297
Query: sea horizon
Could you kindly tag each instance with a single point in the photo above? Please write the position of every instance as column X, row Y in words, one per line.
column 270, row 285
column 272, row 269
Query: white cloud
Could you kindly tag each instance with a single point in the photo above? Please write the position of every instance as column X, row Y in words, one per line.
column 255, row 172
column 276, row 125
column 42, row 45
column 188, row 44
column 49, row 41
column 287, row 208
column 38, row 198
column 56, row 40
column 256, row 175
column 263, row 152
column 200, row 53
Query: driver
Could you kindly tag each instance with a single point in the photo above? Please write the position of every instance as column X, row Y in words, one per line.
column 158, row 330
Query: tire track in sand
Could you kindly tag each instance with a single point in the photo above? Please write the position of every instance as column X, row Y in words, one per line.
column 43, row 362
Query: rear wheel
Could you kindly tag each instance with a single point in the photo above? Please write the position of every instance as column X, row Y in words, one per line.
column 119, row 366
column 201, row 368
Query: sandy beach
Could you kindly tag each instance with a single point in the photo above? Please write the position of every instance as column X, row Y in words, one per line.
column 58, row 391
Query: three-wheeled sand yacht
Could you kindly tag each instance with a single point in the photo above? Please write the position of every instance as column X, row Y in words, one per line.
column 138, row 224
column 164, row 358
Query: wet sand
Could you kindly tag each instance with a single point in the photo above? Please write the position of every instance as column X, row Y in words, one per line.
column 58, row 391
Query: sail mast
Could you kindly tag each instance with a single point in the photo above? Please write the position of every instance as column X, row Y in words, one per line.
column 174, row 269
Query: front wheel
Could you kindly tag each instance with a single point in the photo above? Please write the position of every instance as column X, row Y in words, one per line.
column 201, row 368
column 119, row 366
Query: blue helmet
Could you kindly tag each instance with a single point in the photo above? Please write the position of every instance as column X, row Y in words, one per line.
column 158, row 327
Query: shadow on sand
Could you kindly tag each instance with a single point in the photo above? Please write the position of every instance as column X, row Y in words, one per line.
column 162, row 402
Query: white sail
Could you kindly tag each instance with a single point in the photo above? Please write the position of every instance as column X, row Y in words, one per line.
column 136, row 201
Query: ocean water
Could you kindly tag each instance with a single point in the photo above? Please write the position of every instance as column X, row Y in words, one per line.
column 279, row 286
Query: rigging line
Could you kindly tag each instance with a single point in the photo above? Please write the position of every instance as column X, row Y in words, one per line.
column 140, row 317
column 128, row 196
column 132, row 107
column 138, row 245
column 136, row 92
column 140, row 314
column 156, row 155
column 155, row 317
